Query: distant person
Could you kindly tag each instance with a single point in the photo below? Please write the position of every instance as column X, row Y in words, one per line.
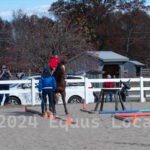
column 125, row 74
column 47, row 84
column 54, row 61
column 4, row 75
column 108, row 85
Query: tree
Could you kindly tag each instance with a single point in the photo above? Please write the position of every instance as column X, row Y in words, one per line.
column 132, row 22
column 88, row 17
column 108, row 25
column 36, row 37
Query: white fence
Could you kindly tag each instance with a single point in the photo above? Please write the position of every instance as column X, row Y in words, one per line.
column 32, row 90
column 141, row 88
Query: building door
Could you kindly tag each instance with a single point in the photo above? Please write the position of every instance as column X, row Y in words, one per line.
column 138, row 71
column 112, row 70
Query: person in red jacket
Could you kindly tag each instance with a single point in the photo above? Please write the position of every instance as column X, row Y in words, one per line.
column 54, row 61
column 109, row 85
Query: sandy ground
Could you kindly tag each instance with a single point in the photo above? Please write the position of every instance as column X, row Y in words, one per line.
column 20, row 130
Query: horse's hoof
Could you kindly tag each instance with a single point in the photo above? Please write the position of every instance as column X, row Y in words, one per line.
column 67, row 113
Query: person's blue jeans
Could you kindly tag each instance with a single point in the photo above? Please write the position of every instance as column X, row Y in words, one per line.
column 48, row 92
column 109, row 95
column 2, row 95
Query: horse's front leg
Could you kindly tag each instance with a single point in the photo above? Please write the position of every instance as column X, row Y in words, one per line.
column 63, row 95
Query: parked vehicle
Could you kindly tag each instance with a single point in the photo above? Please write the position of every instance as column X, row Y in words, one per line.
column 74, row 91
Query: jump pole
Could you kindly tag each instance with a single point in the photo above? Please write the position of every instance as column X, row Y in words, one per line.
column 121, row 118
column 132, row 114
column 88, row 111
column 144, row 110
column 34, row 111
column 118, row 111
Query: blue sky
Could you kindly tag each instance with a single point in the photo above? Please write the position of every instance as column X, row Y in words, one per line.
column 148, row 2
column 38, row 7
column 30, row 7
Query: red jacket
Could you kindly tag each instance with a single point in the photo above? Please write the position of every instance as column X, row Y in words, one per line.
column 53, row 62
column 109, row 84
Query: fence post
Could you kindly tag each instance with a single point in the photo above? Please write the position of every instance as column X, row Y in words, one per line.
column 33, row 91
column 142, row 99
column 3, row 100
column 86, row 91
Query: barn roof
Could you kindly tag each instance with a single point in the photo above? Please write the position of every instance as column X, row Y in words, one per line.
column 137, row 63
column 108, row 56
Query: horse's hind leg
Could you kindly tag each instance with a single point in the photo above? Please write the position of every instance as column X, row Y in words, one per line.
column 63, row 95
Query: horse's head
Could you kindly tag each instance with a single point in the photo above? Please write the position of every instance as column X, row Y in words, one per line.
column 126, row 85
column 60, row 71
column 63, row 66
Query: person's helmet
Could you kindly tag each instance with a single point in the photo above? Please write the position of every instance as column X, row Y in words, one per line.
column 108, row 76
column 45, row 69
column 54, row 52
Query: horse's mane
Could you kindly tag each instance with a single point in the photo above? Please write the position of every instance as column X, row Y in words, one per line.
column 59, row 73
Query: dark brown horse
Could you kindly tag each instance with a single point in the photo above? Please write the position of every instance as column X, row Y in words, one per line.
column 59, row 75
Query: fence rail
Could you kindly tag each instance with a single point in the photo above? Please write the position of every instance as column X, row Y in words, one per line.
column 33, row 82
column 32, row 90
column 141, row 88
